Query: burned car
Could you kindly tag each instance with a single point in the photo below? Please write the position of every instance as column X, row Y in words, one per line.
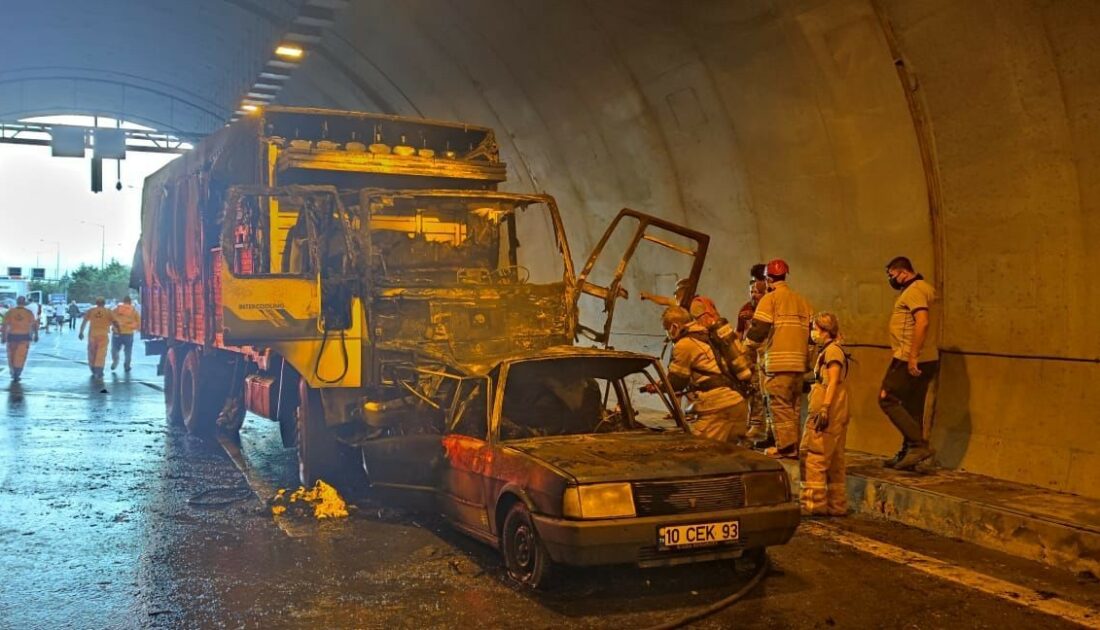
column 555, row 457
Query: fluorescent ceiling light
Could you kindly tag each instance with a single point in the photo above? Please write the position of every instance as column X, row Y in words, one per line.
column 290, row 51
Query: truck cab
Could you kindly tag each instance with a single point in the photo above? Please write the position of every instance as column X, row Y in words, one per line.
column 336, row 271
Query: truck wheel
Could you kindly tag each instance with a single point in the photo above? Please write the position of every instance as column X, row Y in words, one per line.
column 525, row 557
column 202, row 389
column 320, row 454
column 231, row 416
column 172, row 363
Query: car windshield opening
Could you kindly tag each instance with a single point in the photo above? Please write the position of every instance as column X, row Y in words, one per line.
column 461, row 241
column 582, row 395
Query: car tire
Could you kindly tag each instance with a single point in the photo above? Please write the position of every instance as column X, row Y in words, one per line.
column 173, row 361
column 525, row 557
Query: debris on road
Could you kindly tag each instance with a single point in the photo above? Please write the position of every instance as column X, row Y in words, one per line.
column 324, row 500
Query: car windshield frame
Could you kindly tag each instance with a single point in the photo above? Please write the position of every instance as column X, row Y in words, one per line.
column 643, row 365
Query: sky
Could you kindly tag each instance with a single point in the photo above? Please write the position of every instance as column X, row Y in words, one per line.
column 47, row 201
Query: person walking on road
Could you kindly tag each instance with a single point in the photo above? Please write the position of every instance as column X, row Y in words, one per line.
column 781, row 324
column 821, row 454
column 915, row 361
column 127, row 322
column 721, row 412
column 74, row 312
column 99, row 320
column 19, row 327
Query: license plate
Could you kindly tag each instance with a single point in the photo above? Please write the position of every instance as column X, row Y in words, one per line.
column 679, row 536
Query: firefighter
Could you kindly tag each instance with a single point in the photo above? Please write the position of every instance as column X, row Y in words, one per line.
column 781, row 325
column 19, row 327
column 721, row 412
column 98, row 320
column 758, row 424
column 821, row 454
column 127, row 321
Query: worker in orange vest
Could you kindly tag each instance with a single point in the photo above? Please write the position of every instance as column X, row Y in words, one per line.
column 127, row 322
column 99, row 320
column 19, row 327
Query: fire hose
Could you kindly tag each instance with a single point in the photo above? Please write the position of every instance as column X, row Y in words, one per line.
column 721, row 604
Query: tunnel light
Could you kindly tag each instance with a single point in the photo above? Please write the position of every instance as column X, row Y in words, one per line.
column 289, row 51
column 249, row 107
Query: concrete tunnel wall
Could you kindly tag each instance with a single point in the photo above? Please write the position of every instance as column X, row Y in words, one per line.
column 783, row 129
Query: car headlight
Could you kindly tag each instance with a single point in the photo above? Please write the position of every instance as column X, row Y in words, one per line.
column 600, row 500
column 766, row 488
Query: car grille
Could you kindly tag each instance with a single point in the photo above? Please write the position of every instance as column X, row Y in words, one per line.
column 685, row 496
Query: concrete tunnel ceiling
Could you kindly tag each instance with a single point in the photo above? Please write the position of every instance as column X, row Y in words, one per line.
column 174, row 66
column 832, row 133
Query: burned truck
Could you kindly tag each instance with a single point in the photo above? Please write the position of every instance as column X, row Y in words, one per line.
column 360, row 279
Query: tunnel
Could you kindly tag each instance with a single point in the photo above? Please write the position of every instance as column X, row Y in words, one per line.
column 833, row 134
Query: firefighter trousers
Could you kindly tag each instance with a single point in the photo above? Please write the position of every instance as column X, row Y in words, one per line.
column 758, row 417
column 724, row 425
column 784, row 391
column 97, row 351
column 17, row 354
column 822, row 468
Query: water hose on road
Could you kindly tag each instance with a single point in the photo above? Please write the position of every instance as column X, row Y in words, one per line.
column 721, row 604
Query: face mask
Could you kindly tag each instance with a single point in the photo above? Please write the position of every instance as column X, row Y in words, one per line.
column 895, row 285
column 818, row 337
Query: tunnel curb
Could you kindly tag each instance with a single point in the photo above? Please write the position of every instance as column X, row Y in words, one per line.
column 1070, row 540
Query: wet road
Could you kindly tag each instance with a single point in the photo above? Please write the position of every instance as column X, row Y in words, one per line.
column 109, row 519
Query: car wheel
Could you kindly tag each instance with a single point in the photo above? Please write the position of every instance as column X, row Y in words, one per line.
column 525, row 557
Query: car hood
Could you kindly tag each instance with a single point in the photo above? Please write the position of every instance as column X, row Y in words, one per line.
column 641, row 456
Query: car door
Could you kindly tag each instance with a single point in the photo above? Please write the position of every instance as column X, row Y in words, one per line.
column 672, row 252
column 405, row 469
column 468, row 453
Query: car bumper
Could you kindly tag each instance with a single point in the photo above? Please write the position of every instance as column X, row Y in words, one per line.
column 634, row 540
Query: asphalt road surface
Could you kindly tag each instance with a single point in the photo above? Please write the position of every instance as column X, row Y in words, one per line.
column 110, row 519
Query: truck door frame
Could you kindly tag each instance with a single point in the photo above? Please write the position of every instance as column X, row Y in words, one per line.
column 611, row 293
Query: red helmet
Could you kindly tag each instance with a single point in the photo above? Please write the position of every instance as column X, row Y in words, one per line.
column 778, row 267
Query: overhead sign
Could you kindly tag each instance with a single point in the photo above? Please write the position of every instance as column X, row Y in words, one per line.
column 110, row 144
column 38, row 273
column 67, row 141
column 15, row 272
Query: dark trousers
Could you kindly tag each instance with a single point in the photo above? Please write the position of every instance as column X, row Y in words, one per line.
column 72, row 323
column 904, row 399
column 121, row 342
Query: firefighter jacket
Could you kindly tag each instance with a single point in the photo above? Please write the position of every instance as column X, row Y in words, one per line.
column 788, row 314
column 693, row 362
column 99, row 321
column 127, row 319
column 20, row 323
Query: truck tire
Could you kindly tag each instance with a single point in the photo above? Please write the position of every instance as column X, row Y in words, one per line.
column 320, row 454
column 173, row 361
column 203, row 387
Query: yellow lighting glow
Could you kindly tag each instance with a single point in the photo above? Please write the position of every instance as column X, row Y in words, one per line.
column 249, row 108
column 289, row 51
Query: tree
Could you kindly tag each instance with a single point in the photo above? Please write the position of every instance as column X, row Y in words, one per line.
column 88, row 283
